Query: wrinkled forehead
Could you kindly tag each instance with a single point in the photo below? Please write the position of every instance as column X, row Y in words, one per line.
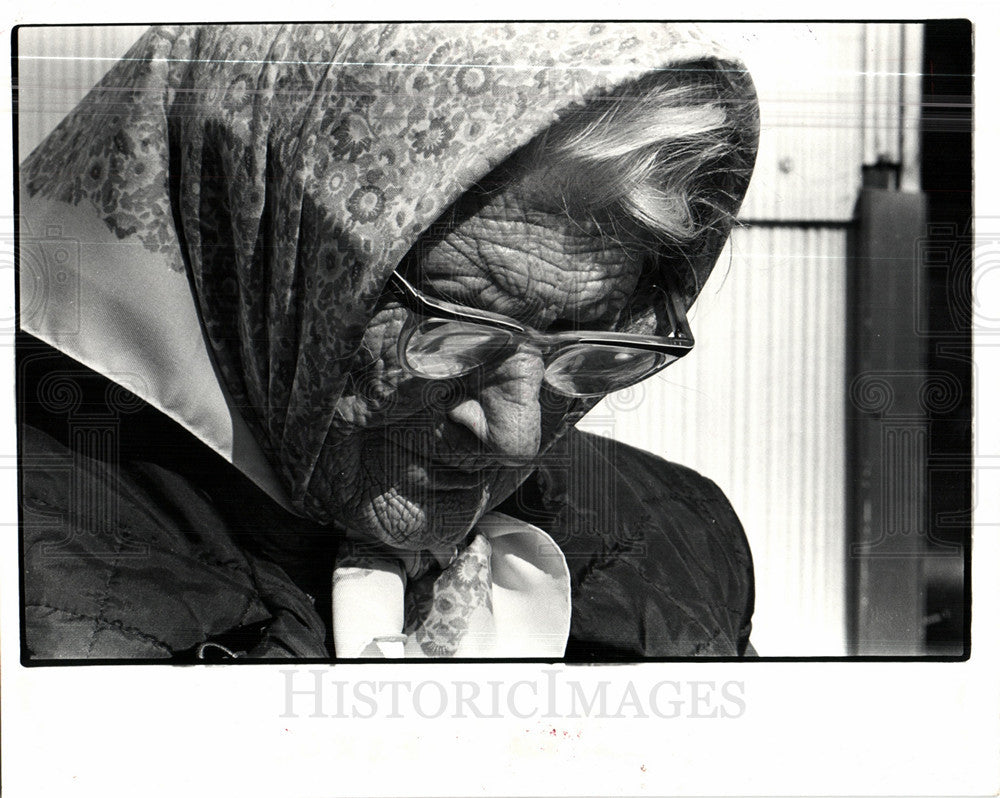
column 513, row 250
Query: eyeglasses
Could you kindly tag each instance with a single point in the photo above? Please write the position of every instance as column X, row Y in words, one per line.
column 442, row 340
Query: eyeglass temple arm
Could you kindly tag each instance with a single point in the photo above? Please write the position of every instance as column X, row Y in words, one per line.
column 677, row 316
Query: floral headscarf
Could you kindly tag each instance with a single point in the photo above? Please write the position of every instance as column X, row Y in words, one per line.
column 288, row 169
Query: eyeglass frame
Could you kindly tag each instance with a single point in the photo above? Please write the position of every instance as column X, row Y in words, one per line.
column 431, row 308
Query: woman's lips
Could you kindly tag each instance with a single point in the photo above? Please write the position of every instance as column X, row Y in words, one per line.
column 448, row 450
column 439, row 477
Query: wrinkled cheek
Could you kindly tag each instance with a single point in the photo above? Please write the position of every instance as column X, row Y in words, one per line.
column 407, row 504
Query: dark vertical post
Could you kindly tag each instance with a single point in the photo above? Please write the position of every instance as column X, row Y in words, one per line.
column 886, row 420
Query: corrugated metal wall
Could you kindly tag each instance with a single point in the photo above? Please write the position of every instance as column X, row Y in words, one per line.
column 761, row 404
column 762, row 396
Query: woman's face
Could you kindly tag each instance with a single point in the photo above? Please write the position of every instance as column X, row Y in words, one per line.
column 418, row 461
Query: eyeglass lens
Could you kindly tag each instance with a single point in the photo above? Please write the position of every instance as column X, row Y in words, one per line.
column 594, row 369
column 439, row 349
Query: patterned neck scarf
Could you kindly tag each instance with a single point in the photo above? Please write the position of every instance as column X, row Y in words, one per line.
column 287, row 170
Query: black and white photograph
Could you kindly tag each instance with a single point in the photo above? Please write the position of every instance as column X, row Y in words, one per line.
column 531, row 377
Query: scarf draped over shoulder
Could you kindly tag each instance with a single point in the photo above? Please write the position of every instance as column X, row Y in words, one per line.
column 277, row 175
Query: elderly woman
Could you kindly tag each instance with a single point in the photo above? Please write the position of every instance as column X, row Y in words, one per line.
column 359, row 283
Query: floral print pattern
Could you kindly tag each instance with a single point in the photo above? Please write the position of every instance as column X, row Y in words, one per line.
column 288, row 169
column 442, row 603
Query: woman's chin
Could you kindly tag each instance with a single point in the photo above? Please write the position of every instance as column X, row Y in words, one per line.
column 411, row 501
column 422, row 513
column 430, row 509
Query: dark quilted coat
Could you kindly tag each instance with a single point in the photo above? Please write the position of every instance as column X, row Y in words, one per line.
column 181, row 549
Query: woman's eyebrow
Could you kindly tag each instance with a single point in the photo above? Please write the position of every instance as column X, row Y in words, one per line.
column 437, row 287
column 565, row 325
column 488, row 292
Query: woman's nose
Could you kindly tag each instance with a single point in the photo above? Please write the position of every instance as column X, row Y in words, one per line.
column 504, row 411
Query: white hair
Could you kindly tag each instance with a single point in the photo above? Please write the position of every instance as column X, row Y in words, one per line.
column 655, row 164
